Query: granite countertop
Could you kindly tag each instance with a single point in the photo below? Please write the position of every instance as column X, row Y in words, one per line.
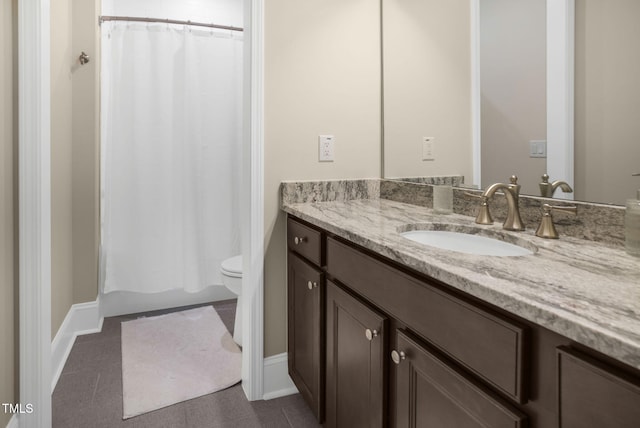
column 583, row 290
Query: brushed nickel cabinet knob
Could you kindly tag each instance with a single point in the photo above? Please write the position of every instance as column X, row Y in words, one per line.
column 312, row 285
column 397, row 357
column 370, row 334
column 298, row 241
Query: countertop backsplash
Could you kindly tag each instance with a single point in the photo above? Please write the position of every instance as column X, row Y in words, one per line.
column 594, row 222
column 292, row 192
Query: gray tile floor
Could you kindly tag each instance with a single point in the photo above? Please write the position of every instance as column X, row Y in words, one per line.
column 89, row 391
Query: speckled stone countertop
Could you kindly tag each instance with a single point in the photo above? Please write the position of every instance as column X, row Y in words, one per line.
column 583, row 290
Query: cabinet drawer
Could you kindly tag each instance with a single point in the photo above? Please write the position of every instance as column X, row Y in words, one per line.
column 594, row 395
column 487, row 344
column 432, row 393
column 305, row 241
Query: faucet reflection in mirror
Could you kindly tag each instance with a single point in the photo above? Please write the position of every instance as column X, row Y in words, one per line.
column 548, row 189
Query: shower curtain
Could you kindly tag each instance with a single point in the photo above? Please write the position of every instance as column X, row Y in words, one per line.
column 170, row 155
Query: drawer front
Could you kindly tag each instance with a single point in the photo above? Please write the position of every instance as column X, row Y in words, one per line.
column 432, row 393
column 593, row 395
column 487, row 344
column 305, row 241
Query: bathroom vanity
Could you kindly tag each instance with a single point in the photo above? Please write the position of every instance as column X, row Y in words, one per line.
column 384, row 331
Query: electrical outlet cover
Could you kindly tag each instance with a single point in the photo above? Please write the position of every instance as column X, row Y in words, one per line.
column 427, row 149
column 325, row 148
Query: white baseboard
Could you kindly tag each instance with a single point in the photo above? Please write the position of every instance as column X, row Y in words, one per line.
column 277, row 382
column 14, row 422
column 82, row 318
column 125, row 302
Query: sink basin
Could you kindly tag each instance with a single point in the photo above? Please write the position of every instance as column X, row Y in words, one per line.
column 469, row 241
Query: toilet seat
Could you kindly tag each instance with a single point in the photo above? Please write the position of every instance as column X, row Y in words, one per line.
column 232, row 267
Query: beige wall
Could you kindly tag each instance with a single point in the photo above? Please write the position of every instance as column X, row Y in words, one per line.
column 74, row 150
column 61, row 174
column 8, row 289
column 607, row 147
column 86, row 150
column 322, row 76
column 427, row 87
column 513, row 90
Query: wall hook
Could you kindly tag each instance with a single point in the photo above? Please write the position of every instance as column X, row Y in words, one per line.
column 83, row 58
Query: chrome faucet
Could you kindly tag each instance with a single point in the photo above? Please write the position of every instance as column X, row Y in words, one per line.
column 512, row 193
column 548, row 189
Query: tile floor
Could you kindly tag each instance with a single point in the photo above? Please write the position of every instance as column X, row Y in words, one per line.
column 89, row 391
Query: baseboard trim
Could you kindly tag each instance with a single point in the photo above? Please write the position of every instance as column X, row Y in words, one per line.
column 82, row 318
column 277, row 382
column 14, row 422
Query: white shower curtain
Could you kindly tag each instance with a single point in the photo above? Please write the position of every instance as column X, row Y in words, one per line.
column 170, row 157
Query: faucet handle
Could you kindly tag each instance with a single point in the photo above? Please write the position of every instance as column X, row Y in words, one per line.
column 547, row 229
column 484, row 216
column 569, row 209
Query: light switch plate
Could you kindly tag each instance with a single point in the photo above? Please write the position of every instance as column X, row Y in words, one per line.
column 538, row 149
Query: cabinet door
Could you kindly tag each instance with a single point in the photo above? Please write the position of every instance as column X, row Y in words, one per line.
column 593, row 395
column 306, row 331
column 430, row 393
column 355, row 362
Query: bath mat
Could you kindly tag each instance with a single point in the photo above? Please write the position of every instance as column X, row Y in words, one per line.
column 176, row 357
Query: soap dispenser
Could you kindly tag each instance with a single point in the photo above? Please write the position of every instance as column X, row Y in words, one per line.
column 632, row 225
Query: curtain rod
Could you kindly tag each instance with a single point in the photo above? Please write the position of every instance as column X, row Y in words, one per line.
column 168, row 21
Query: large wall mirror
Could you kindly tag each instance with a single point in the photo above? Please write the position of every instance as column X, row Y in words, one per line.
column 488, row 88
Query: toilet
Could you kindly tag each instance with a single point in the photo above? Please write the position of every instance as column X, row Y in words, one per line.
column 231, row 270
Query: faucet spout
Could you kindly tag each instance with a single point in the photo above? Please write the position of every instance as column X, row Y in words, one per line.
column 512, row 193
column 548, row 189
column 564, row 186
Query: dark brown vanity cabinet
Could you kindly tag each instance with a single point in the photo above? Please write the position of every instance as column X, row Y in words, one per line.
column 592, row 394
column 305, row 324
column 356, row 351
column 375, row 344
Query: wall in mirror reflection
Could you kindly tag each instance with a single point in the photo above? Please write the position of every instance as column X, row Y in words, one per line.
column 428, row 93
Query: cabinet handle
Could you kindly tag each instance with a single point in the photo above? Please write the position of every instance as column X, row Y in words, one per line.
column 312, row 285
column 297, row 240
column 397, row 357
column 370, row 334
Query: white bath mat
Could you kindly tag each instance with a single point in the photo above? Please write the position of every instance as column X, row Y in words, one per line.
column 176, row 357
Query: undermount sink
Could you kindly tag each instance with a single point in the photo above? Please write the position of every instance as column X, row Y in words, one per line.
column 469, row 240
